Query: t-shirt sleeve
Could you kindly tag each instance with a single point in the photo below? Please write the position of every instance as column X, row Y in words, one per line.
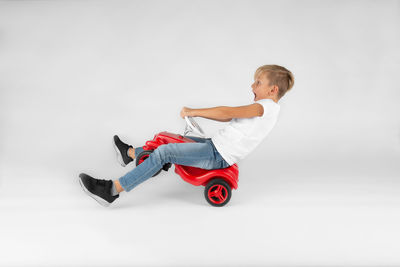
column 266, row 105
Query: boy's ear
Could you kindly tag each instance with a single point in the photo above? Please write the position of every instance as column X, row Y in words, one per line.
column 273, row 89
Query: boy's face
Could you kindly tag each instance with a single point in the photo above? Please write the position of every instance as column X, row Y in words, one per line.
column 262, row 89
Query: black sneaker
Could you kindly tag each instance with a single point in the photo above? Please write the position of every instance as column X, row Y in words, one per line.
column 122, row 151
column 98, row 189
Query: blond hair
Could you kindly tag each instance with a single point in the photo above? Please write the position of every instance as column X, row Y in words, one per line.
column 277, row 75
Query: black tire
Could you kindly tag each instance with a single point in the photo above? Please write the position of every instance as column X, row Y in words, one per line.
column 145, row 154
column 225, row 193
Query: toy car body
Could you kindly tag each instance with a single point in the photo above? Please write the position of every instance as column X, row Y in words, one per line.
column 218, row 182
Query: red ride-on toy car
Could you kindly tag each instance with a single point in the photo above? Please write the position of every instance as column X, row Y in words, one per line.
column 218, row 182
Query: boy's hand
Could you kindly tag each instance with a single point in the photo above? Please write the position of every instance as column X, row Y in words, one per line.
column 186, row 112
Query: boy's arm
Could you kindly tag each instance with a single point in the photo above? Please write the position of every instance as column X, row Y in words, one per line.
column 216, row 113
column 224, row 113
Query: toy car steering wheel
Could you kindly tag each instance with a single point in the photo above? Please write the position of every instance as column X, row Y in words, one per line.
column 191, row 125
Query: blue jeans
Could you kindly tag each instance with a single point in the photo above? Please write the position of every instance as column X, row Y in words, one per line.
column 201, row 154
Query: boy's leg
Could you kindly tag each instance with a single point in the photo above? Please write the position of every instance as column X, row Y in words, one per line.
column 134, row 152
column 200, row 155
column 131, row 152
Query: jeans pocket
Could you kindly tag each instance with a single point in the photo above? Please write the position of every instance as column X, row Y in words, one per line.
column 225, row 164
column 220, row 161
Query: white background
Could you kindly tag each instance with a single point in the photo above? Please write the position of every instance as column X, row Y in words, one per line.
column 322, row 189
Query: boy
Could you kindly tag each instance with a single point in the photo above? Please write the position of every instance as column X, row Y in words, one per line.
column 248, row 126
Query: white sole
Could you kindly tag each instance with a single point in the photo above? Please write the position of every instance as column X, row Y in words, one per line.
column 97, row 198
column 119, row 156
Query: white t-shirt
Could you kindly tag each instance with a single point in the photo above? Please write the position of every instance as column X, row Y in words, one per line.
column 242, row 135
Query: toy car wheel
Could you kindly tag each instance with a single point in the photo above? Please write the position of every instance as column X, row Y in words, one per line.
column 143, row 156
column 217, row 192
